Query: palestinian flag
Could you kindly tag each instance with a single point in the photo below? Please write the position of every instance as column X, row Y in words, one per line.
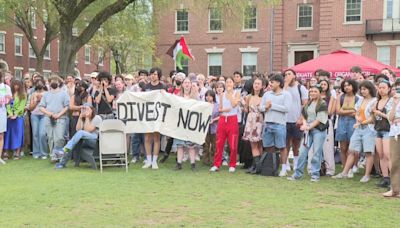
column 179, row 50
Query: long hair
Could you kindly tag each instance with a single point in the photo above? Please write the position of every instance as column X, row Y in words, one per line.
column 182, row 91
column 389, row 86
column 21, row 89
column 78, row 96
column 319, row 101
column 328, row 90
column 262, row 86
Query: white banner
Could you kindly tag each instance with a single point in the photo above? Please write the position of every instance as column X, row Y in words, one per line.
column 171, row 115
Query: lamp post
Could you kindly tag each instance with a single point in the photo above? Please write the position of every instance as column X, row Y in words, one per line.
column 117, row 58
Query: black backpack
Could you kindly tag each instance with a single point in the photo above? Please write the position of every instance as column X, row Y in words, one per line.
column 269, row 164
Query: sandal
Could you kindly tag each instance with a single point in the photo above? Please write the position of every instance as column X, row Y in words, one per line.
column 5, row 156
column 391, row 194
column 17, row 157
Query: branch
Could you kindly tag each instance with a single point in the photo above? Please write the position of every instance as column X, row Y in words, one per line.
column 83, row 4
column 99, row 19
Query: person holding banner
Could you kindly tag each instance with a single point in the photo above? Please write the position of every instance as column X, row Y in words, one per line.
column 228, row 128
column 154, row 137
column 186, row 91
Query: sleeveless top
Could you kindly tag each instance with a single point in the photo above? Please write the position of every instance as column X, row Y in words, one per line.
column 227, row 104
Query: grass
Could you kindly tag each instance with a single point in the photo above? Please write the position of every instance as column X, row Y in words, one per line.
column 33, row 194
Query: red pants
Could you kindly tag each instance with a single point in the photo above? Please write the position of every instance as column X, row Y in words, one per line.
column 228, row 129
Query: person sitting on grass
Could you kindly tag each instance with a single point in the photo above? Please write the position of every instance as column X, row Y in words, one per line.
column 87, row 128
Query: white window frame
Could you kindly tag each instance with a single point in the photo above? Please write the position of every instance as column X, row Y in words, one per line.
column 353, row 48
column 32, row 14
column 208, row 61
column 176, row 22
column 298, row 17
column 379, row 49
column 49, row 49
column 209, row 21
column 100, row 54
column 244, row 20
column 248, row 50
column 15, row 44
column 21, row 69
column 31, row 71
column 87, row 47
column 345, row 14
column 4, row 42
column 48, row 72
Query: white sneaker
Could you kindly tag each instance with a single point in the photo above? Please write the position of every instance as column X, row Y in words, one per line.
column 288, row 168
column 146, row 165
column 154, row 165
column 36, row 157
column 2, row 162
column 282, row 173
column 44, row 157
column 224, row 163
column 340, row 176
column 134, row 160
column 355, row 169
column 365, row 179
column 232, row 169
column 350, row 174
column 214, row 169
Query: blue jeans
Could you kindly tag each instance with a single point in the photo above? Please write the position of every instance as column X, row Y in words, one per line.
column 316, row 140
column 137, row 139
column 39, row 137
column 81, row 134
column 55, row 130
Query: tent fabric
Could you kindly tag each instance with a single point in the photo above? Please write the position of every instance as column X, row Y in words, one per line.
column 339, row 63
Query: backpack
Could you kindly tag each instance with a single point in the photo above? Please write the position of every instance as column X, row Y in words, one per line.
column 269, row 164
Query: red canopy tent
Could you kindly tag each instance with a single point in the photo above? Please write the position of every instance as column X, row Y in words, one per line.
column 339, row 63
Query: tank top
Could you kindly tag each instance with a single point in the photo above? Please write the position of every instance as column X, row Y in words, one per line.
column 227, row 104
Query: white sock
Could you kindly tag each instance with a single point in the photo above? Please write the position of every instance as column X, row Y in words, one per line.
column 148, row 159
column 155, row 158
column 295, row 160
column 284, row 167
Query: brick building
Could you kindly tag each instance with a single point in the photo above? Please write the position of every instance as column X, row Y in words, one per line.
column 269, row 38
column 17, row 57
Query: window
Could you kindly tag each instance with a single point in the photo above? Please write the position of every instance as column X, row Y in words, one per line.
column 31, row 52
column 32, row 71
column 185, row 66
column 250, row 18
column 398, row 56
column 305, row 16
column 249, row 62
column 389, row 9
column 87, row 54
column 46, row 74
column 215, row 64
column 182, row 21
column 353, row 10
column 384, row 55
column 32, row 15
column 215, row 17
column 101, row 57
column 47, row 52
column 355, row 50
column 75, row 31
column 18, row 44
column 2, row 42
column 18, row 72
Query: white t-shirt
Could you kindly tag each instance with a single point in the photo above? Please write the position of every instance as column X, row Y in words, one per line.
column 295, row 109
column 5, row 91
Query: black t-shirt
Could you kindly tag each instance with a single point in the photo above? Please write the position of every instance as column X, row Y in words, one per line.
column 104, row 107
column 150, row 87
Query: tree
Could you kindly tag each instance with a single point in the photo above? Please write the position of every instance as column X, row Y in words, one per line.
column 93, row 13
column 130, row 33
column 25, row 15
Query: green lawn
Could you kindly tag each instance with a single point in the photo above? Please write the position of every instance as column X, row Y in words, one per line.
column 34, row 194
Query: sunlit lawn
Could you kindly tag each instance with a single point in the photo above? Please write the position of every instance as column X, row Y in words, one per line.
column 33, row 193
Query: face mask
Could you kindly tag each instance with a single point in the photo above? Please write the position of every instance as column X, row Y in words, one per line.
column 39, row 87
column 178, row 83
column 54, row 85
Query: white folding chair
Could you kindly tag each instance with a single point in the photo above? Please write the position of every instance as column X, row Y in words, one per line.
column 112, row 144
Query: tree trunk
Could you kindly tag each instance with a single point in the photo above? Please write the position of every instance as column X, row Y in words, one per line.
column 67, row 51
column 39, row 64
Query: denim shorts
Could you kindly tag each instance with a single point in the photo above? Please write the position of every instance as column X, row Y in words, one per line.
column 345, row 128
column 293, row 131
column 185, row 144
column 274, row 135
column 382, row 134
column 363, row 140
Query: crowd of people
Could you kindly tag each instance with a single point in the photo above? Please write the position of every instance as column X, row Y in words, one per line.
column 321, row 121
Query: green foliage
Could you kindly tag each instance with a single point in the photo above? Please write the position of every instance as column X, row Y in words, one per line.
column 33, row 194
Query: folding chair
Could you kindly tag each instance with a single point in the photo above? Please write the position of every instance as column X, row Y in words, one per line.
column 112, row 144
